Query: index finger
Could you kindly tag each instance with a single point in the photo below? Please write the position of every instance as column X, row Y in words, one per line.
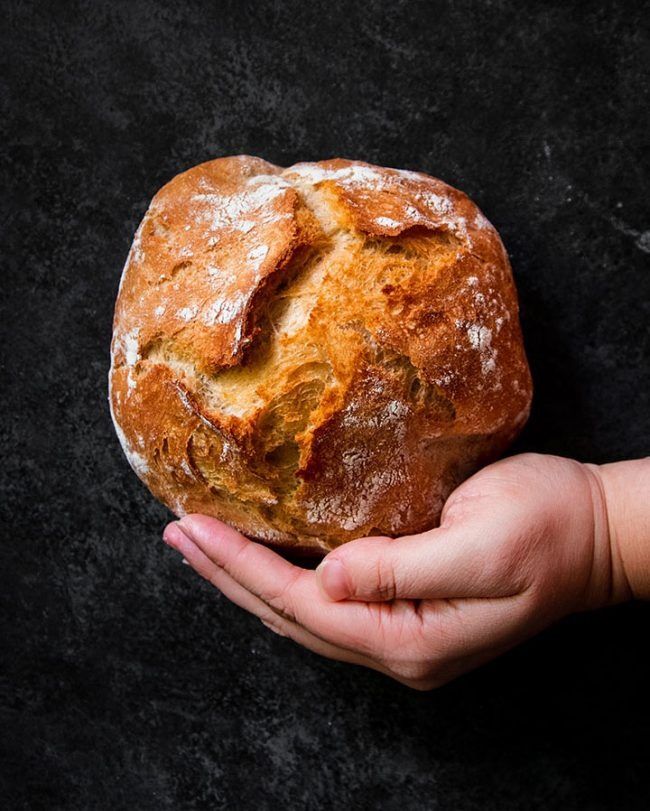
column 292, row 591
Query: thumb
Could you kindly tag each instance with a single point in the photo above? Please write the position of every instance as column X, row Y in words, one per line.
column 449, row 562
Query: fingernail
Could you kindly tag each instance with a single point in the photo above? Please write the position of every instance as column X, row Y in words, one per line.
column 273, row 628
column 334, row 579
column 173, row 534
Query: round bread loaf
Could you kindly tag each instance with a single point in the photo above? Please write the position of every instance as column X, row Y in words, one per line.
column 315, row 354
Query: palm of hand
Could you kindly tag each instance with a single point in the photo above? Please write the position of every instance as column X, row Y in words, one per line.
column 521, row 543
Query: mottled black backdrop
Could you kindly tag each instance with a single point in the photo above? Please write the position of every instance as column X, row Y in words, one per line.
column 127, row 682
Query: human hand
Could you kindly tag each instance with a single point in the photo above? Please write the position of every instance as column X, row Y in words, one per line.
column 522, row 543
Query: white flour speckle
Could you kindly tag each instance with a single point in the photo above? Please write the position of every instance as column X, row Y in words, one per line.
column 136, row 254
column 348, row 175
column 441, row 205
column 354, row 513
column 431, row 210
column 235, row 210
column 480, row 338
column 257, row 255
column 226, row 448
column 393, row 413
column 480, row 221
column 354, row 459
column 444, row 378
column 185, row 400
column 135, row 459
column 396, row 410
column 386, row 222
column 138, row 463
column 223, row 311
column 187, row 313
column 131, row 348
column 178, row 507
column 187, row 405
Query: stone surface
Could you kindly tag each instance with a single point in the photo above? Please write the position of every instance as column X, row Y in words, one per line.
column 127, row 682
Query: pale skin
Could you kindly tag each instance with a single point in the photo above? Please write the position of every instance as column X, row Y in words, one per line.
column 521, row 544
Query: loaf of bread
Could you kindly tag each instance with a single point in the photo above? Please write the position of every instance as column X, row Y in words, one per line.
column 315, row 354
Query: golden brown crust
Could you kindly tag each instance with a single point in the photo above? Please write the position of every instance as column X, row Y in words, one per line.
column 316, row 353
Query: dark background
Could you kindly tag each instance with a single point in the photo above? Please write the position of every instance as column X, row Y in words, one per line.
column 127, row 682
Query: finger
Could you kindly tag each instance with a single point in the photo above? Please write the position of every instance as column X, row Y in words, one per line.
column 378, row 631
column 258, row 568
column 459, row 635
column 398, row 625
column 447, row 671
column 457, row 632
column 237, row 594
column 292, row 592
column 456, row 561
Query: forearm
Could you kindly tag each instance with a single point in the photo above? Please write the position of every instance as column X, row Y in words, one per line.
column 626, row 488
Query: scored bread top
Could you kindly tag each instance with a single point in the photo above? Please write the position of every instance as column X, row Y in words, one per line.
column 315, row 352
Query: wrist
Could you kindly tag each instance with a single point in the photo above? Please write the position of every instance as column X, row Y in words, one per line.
column 622, row 514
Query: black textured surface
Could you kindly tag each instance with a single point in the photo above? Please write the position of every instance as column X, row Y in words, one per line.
column 127, row 682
